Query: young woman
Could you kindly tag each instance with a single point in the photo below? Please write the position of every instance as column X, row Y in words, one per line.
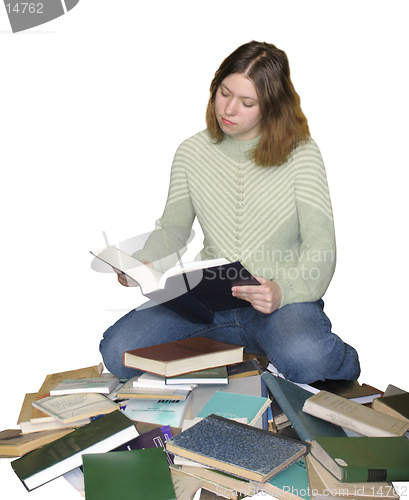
column 257, row 184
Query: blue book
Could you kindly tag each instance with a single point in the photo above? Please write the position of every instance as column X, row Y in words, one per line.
column 232, row 405
column 236, row 448
column 291, row 399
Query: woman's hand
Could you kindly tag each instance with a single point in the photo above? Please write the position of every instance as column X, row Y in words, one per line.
column 125, row 280
column 266, row 298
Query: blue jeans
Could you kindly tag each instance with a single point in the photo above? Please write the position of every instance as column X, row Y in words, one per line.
column 297, row 339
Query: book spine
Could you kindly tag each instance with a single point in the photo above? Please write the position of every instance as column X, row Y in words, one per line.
column 364, row 475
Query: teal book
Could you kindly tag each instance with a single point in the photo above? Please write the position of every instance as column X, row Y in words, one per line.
column 232, row 405
column 59, row 457
column 364, row 459
column 291, row 483
column 252, row 386
column 291, row 399
column 121, row 475
column 236, row 448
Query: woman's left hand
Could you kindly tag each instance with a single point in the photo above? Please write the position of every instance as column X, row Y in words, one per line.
column 266, row 298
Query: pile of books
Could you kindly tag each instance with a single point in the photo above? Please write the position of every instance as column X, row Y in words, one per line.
column 232, row 429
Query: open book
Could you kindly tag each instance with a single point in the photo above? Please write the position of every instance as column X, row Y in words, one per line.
column 194, row 290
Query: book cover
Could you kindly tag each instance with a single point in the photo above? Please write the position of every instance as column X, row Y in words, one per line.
column 236, row 448
column 232, row 405
column 291, row 399
column 64, row 454
column 170, row 412
column 246, row 368
column 13, row 443
column 72, row 407
column 183, row 356
column 120, row 475
column 155, row 438
column 102, row 385
column 291, row 483
column 363, row 459
column 216, row 375
column 322, row 482
column 224, row 483
column 354, row 416
column 252, row 386
column 347, row 389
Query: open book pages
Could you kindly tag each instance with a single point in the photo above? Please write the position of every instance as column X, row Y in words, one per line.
column 148, row 278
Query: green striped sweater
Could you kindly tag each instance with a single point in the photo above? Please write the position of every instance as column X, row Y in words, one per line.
column 277, row 221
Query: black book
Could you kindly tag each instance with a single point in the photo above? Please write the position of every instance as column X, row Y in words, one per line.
column 194, row 290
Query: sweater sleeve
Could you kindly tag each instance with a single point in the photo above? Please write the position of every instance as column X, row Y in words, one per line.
column 167, row 243
column 313, row 264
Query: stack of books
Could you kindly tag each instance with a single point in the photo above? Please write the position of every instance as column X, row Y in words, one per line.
column 233, row 428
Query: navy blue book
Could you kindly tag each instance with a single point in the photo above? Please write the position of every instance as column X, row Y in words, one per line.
column 236, row 448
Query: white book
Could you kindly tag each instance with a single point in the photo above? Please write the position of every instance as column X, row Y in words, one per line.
column 103, row 385
column 354, row 416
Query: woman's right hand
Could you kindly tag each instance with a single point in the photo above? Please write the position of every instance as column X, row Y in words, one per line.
column 126, row 280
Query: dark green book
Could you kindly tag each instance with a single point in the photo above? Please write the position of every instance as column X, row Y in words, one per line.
column 291, row 399
column 121, row 475
column 364, row 459
column 55, row 459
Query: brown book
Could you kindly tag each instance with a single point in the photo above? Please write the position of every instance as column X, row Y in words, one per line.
column 15, row 444
column 354, row 391
column 246, row 368
column 396, row 405
column 183, row 356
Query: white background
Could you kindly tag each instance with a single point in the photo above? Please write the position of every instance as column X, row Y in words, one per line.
column 92, row 108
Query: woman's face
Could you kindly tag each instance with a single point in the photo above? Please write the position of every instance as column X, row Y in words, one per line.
column 237, row 108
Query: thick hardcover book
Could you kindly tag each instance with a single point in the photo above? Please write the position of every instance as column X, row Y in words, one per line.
column 55, row 459
column 120, row 475
column 354, row 416
column 195, row 290
column 321, row 482
column 236, row 448
column 291, row 399
column 13, row 443
column 362, row 459
column 183, row 356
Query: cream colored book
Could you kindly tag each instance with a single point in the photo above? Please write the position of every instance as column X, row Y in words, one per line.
column 354, row 416
column 324, row 486
column 73, row 407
